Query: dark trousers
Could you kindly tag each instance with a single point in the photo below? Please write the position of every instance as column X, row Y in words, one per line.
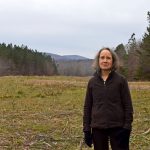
column 118, row 138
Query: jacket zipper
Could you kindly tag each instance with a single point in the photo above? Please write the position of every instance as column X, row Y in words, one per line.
column 104, row 83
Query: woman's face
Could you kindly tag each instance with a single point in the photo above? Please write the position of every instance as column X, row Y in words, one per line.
column 105, row 60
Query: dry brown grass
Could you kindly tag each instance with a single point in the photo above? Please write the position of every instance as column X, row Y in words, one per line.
column 45, row 113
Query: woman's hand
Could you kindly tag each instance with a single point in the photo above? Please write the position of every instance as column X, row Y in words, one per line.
column 88, row 138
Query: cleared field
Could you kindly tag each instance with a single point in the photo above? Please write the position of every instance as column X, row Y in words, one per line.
column 45, row 113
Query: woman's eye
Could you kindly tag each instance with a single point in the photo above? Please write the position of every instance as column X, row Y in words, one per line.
column 101, row 57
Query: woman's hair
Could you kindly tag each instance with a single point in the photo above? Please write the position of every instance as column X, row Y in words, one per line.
column 115, row 61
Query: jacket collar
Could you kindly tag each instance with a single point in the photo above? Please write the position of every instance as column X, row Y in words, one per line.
column 97, row 74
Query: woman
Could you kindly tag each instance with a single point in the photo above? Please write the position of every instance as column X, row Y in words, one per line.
column 108, row 111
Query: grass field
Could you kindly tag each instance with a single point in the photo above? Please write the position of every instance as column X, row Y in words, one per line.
column 45, row 113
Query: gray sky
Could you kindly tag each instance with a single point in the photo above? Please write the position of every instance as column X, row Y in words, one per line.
column 77, row 27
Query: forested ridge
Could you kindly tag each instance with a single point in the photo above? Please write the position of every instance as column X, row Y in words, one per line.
column 20, row 60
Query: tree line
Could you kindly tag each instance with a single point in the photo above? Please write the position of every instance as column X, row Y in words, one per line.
column 20, row 60
column 75, row 67
column 135, row 56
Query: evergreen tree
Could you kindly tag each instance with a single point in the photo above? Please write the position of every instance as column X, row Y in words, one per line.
column 144, row 70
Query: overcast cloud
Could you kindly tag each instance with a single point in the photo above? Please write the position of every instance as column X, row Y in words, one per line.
column 79, row 27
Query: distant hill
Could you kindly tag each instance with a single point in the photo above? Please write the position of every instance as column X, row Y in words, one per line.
column 66, row 57
column 73, row 65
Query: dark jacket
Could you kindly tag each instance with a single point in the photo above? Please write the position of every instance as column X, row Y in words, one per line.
column 107, row 104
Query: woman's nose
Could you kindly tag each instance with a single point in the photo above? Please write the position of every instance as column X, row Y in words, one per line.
column 105, row 60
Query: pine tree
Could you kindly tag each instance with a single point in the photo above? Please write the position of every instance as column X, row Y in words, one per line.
column 145, row 53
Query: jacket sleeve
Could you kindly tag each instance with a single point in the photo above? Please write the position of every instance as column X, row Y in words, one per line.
column 127, row 105
column 87, row 109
